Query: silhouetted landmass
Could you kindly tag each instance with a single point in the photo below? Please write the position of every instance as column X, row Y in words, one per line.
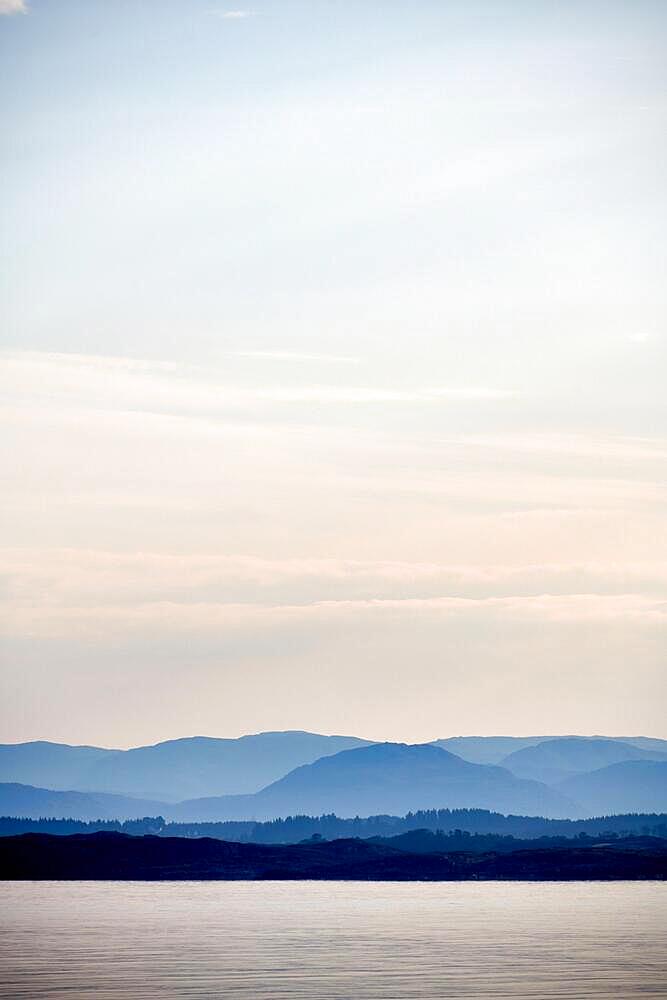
column 464, row 823
column 439, row 842
column 117, row 856
column 11, row 826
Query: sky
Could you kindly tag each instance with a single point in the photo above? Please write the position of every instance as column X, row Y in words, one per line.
column 333, row 368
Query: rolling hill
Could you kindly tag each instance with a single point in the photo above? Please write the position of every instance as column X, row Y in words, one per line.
column 554, row 760
column 496, row 749
column 630, row 786
column 273, row 774
column 173, row 770
column 382, row 779
column 385, row 778
column 49, row 765
column 487, row 749
column 25, row 800
column 202, row 766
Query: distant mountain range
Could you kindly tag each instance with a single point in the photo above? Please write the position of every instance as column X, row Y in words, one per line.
column 487, row 749
column 171, row 771
column 496, row 749
column 201, row 766
column 385, row 778
column 278, row 774
column 555, row 760
column 26, row 800
column 50, row 765
column 629, row 786
column 379, row 778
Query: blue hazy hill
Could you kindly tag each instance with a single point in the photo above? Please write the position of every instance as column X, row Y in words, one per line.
column 487, row 749
column 199, row 768
column 629, row 786
column 496, row 749
column 170, row 771
column 203, row 766
column 34, row 803
column 49, row 765
column 390, row 779
column 386, row 778
column 554, row 760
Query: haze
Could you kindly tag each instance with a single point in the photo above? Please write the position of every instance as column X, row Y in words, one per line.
column 334, row 368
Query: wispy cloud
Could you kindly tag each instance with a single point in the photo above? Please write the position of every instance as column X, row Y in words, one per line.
column 236, row 15
column 641, row 337
column 370, row 394
column 98, row 621
column 83, row 578
column 8, row 7
column 298, row 356
column 153, row 385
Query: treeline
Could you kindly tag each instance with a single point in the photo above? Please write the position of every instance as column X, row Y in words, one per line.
column 293, row 829
column 428, row 842
column 10, row 826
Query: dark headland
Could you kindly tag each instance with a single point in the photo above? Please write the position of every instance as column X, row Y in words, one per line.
column 118, row 856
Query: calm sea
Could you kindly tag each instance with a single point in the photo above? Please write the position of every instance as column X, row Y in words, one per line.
column 328, row 940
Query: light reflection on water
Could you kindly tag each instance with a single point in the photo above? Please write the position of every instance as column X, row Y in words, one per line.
column 259, row 941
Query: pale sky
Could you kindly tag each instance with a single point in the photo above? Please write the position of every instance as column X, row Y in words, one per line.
column 333, row 368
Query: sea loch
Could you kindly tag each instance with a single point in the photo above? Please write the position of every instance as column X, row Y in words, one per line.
column 255, row 941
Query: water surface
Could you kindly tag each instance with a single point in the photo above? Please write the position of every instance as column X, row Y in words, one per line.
column 260, row 941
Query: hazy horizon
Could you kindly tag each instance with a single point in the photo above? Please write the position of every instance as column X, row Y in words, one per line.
column 333, row 360
column 362, row 736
